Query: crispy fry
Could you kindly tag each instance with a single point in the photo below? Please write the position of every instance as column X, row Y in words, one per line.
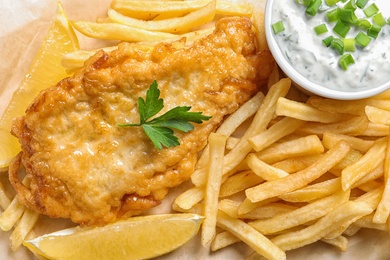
column 281, row 129
column 217, row 150
column 330, row 139
column 307, row 145
column 378, row 115
column 250, row 236
column 239, row 182
column 223, row 239
column 298, row 110
column 263, row 170
column 115, row 31
column 22, row 228
column 383, row 211
column 189, row 198
column 302, row 215
column 367, row 163
column 11, row 215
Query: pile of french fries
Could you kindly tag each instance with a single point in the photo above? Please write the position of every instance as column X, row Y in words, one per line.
column 306, row 169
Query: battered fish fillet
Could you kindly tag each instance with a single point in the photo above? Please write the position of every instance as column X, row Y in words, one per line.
column 84, row 167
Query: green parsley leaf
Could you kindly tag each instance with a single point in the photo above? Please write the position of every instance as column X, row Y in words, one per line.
column 160, row 129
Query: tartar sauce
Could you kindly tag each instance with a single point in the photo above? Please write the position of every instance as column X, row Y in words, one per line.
column 304, row 49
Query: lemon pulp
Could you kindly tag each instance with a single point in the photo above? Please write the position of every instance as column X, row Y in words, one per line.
column 44, row 71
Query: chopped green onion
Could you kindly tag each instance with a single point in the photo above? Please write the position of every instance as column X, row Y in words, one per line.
column 320, row 29
column 328, row 40
column 349, row 44
column 313, row 7
column 348, row 15
column 371, row 10
column 346, row 60
column 362, row 39
column 374, row 31
column 307, row 2
column 361, row 3
column 333, row 15
column 331, row 2
column 363, row 23
column 337, row 45
column 341, row 28
column 350, row 5
column 379, row 19
column 278, row 27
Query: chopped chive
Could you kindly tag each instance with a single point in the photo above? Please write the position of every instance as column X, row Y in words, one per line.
column 350, row 5
column 363, row 23
column 331, row 2
column 333, row 15
column 338, row 45
column 341, row 28
column 346, row 60
column 278, row 27
column 328, row 40
column 371, row 10
column 307, row 2
column 349, row 44
column 320, row 29
column 313, row 7
column 362, row 39
column 361, row 3
column 374, row 30
column 379, row 19
column 348, row 15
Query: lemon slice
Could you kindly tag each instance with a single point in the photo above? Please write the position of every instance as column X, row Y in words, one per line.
column 134, row 238
column 44, row 71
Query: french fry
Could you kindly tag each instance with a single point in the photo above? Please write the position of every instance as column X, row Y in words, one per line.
column 383, row 210
column 77, row 58
column 189, row 198
column 115, row 31
column 340, row 242
column 4, row 200
column 354, row 126
column 258, row 21
column 22, row 228
column 323, row 226
column 299, row 179
column 234, row 9
column 378, row 115
column 314, row 191
column 300, row 216
column 281, row 129
column 250, row 236
column 239, row 182
column 247, row 206
column 353, row 107
column 151, row 9
column 375, row 130
column 367, row 163
column 302, row 111
column 330, row 139
column 295, row 164
column 222, row 240
column 307, row 145
column 11, row 215
column 217, row 150
column 264, row 170
column 177, row 25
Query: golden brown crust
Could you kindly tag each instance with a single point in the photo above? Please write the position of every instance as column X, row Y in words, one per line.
column 84, row 167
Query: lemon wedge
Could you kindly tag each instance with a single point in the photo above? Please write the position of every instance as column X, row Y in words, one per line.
column 135, row 238
column 44, row 71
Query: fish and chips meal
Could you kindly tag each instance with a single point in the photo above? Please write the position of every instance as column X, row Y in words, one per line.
column 190, row 105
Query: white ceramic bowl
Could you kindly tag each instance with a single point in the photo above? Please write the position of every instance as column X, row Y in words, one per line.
column 301, row 81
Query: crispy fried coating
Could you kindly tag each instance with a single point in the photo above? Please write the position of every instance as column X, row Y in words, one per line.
column 84, row 167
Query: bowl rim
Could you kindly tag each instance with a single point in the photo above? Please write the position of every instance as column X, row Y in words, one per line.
column 303, row 82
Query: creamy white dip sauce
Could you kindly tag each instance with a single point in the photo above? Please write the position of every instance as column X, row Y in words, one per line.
column 318, row 63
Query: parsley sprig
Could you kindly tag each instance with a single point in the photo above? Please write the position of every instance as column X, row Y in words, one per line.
column 160, row 129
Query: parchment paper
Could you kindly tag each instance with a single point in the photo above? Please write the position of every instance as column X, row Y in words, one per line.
column 23, row 25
